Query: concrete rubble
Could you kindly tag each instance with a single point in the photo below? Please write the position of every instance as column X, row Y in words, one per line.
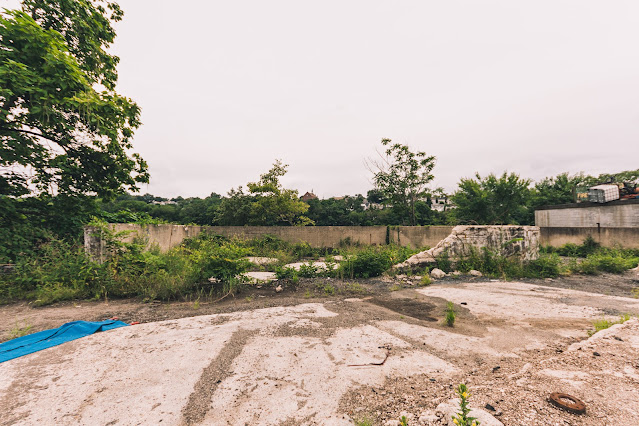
column 506, row 240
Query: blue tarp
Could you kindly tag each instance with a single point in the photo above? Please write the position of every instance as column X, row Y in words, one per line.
column 45, row 339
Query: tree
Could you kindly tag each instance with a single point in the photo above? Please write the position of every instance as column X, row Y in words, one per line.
column 267, row 203
column 65, row 133
column 402, row 177
column 493, row 200
column 555, row 190
column 63, row 128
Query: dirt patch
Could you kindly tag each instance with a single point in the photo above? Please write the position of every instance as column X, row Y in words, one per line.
column 410, row 307
column 609, row 284
column 199, row 401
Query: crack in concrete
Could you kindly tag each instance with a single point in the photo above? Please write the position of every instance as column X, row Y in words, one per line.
column 199, row 402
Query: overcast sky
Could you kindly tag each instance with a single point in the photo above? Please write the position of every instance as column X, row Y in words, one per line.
column 226, row 87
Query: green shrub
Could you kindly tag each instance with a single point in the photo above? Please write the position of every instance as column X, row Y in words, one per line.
column 443, row 262
column 425, row 281
column 614, row 263
column 569, row 250
column 285, row 273
column 62, row 270
column 449, row 320
column 310, row 270
column 547, row 266
column 304, row 249
column 603, row 323
column 588, row 247
column 370, row 262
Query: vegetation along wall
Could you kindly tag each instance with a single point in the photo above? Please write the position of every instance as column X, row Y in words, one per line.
column 167, row 235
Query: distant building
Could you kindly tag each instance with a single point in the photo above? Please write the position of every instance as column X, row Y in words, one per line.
column 366, row 204
column 441, row 204
column 308, row 196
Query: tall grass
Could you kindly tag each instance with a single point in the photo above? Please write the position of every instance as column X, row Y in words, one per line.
column 589, row 258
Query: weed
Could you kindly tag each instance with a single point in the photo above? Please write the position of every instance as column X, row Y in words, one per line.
column 18, row 331
column 310, row 270
column 364, row 421
column 635, row 292
column 462, row 418
column 356, row 288
column 329, row 290
column 443, row 262
column 307, row 294
column 370, row 262
column 603, row 323
column 196, row 304
column 249, row 299
column 403, row 421
column 395, row 287
column 425, row 281
column 449, row 320
column 285, row 273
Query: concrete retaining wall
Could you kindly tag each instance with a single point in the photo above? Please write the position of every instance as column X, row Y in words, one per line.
column 167, row 236
column 607, row 237
column 611, row 224
column 418, row 236
column 617, row 214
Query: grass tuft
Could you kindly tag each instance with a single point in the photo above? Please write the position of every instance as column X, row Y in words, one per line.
column 449, row 320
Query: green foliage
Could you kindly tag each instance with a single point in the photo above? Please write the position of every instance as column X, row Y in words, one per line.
column 443, row 262
column 401, row 177
column 614, row 262
column 588, row 247
column 603, row 323
column 329, row 290
column 19, row 331
column 60, row 270
column 63, row 128
column 285, row 273
column 425, row 281
column 403, row 421
column 462, row 418
column 449, row 319
column 57, row 130
column 370, row 262
column 547, row 266
column 492, row 264
column 493, row 200
column 267, row 203
column 365, row 421
column 597, row 259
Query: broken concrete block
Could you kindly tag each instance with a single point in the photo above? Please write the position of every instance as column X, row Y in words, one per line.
column 521, row 242
column 437, row 274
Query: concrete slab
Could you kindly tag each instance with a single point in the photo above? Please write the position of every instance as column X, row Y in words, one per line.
column 258, row 276
column 256, row 260
column 295, row 365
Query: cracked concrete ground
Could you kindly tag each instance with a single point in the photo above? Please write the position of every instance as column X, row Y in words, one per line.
column 306, row 364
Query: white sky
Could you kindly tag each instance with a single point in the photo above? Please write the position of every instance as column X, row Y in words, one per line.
column 226, row 87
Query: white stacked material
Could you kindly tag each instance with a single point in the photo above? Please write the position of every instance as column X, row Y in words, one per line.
column 603, row 193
